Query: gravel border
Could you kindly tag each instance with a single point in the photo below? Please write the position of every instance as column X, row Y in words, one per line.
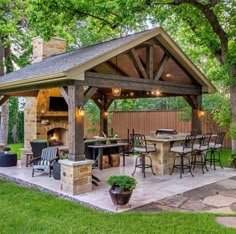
column 48, row 191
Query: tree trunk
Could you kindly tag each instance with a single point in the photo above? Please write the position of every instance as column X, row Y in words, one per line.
column 4, row 123
column 232, row 75
column 5, row 106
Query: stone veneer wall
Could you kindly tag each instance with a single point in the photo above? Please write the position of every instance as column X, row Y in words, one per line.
column 30, row 120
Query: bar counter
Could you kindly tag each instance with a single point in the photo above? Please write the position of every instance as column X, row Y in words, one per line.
column 163, row 159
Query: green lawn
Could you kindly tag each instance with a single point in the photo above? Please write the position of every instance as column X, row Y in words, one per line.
column 225, row 155
column 25, row 210
column 16, row 148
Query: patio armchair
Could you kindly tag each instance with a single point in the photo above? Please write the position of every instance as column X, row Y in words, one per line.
column 36, row 146
column 45, row 161
column 182, row 151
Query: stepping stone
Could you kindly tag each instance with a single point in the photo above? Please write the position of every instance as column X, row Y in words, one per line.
column 228, row 193
column 227, row 221
column 219, row 201
column 228, row 184
column 222, row 210
column 193, row 205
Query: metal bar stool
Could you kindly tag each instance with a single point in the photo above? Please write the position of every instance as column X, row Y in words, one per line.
column 141, row 146
column 182, row 151
column 198, row 158
column 215, row 150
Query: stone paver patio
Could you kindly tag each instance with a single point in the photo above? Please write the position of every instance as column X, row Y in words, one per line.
column 214, row 191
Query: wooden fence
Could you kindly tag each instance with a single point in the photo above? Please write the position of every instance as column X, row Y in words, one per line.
column 147, row 121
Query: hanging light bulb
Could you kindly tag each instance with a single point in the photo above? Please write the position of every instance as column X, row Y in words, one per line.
column 116, row 92
column 157, row 92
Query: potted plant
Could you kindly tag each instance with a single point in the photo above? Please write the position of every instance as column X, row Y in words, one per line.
column 233, row 136
column 121, row 189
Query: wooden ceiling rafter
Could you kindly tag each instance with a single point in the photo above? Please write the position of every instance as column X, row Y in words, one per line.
column 176, row 61
column 116, row 69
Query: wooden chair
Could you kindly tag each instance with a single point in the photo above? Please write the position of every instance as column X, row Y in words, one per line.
column 37, row 146
column 45, row 161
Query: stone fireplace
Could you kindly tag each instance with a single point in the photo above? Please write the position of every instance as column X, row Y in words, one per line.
column 57, row 136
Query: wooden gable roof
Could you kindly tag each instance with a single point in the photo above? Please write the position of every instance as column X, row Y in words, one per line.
column 150, row 56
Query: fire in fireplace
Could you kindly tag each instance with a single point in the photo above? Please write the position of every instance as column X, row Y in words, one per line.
column 57, row 136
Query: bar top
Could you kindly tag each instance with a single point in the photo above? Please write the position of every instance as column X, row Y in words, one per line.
column 101, row 139
column 167, row 137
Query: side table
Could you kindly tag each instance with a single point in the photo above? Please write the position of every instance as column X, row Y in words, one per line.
column 8, row 159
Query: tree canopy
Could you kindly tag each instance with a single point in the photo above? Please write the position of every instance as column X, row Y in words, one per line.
column 204, row 29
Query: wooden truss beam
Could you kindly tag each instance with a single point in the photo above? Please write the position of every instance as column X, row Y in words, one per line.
column 138, row 64
column 4, row 99
column 100, row 80
column 161, row 67
column 89, row 93
column 64, row 93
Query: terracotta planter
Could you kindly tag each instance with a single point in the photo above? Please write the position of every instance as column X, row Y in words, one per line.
column 119, row 197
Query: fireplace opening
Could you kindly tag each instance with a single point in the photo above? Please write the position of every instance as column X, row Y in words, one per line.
column 57, row 136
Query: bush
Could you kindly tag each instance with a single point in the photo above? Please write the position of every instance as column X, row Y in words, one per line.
column 123, row 181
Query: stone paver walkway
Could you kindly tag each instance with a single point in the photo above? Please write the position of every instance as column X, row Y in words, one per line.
column 219, row 197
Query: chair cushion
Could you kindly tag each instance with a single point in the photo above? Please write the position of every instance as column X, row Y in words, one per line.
column 42, row 165
column 215, row 146
column 150, row 148
column 200, row 147
column 180, row 149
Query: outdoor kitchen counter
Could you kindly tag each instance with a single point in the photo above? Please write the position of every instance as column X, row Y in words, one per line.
column 162, row 159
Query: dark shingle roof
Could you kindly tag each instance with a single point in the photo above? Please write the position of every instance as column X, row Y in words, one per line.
column 66, row 61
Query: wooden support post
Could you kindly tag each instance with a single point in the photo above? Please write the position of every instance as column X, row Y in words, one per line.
column 103, row 122
column 149, row 65
column 196, row 118
column 76, row 123
column 103, row 117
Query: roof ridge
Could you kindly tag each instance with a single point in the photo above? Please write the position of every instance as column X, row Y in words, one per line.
column 100, row 43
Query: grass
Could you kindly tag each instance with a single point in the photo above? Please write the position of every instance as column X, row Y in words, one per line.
column 16, row 148
column 25, row 210
column 226, row 157
column 225, row 154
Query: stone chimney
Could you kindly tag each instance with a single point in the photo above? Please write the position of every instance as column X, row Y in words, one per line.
column 41, row 50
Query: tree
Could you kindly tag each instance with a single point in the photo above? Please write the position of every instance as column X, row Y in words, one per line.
column 208, row 25
column 13, row 38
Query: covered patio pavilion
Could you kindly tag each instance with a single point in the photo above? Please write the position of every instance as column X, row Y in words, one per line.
column 142, row 65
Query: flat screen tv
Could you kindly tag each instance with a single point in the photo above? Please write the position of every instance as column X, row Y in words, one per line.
column 57, row 104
